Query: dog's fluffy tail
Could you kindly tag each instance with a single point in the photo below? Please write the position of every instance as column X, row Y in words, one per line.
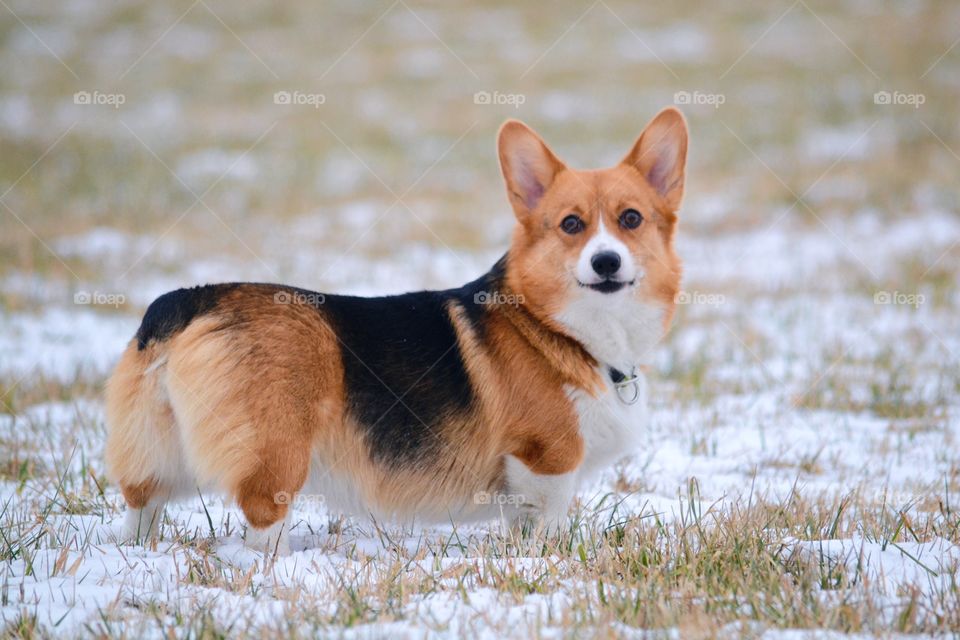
column 143, row 452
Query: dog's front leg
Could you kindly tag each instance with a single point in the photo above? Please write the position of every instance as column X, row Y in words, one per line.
column 535, row 500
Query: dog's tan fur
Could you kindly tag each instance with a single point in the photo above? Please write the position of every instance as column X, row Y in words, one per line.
column 251, row 411
column 247, row 397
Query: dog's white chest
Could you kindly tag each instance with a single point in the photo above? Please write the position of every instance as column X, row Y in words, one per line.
column 618, row 330
column 611, row 428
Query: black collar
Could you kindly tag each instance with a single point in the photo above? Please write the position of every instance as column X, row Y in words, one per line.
column 616, row 375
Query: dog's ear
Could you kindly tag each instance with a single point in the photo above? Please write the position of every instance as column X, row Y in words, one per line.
column 528, row 166
column 660, row 154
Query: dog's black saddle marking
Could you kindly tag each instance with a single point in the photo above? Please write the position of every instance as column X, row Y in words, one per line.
column 404, row 372
column 173, row 311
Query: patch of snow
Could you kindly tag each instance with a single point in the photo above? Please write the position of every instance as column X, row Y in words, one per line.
column 62, row 343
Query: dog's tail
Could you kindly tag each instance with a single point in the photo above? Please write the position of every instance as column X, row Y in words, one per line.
column 143, row 451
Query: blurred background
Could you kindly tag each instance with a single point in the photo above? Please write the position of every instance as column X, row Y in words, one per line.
column 350, row 147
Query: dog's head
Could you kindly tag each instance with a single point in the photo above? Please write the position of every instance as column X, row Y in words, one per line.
column 595, row 240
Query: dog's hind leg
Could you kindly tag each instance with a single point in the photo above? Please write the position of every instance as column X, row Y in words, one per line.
column 247, row 400
column 145, row 504
column 269, row 516
column 266, row 495
column 249, row 433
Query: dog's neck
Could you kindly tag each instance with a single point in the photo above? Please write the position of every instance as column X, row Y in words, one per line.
column 616, row 331
column 562, row 353
column 621, row 333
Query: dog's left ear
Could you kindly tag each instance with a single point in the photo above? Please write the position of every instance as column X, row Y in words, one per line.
column 660, row 154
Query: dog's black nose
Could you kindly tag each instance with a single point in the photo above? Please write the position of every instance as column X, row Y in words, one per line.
column 605, row 263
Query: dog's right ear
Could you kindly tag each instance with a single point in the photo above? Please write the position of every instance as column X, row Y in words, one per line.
column 528, row 166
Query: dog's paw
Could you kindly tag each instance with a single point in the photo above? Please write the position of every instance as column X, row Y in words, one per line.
column 533, row 521
column 139, row 525
column 274, row 540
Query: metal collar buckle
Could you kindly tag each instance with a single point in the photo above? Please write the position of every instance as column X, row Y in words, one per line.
column 627, row 386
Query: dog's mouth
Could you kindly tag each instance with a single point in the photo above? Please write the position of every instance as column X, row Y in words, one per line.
column 607, row 286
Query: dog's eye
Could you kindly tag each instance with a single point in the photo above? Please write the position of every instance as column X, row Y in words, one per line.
column 631, row 219
column 572, row 224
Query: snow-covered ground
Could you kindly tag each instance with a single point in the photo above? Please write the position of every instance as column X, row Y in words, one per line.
column 790, row 385
column 800, row 471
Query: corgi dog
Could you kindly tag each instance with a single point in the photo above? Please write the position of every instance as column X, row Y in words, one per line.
column 493, row 400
